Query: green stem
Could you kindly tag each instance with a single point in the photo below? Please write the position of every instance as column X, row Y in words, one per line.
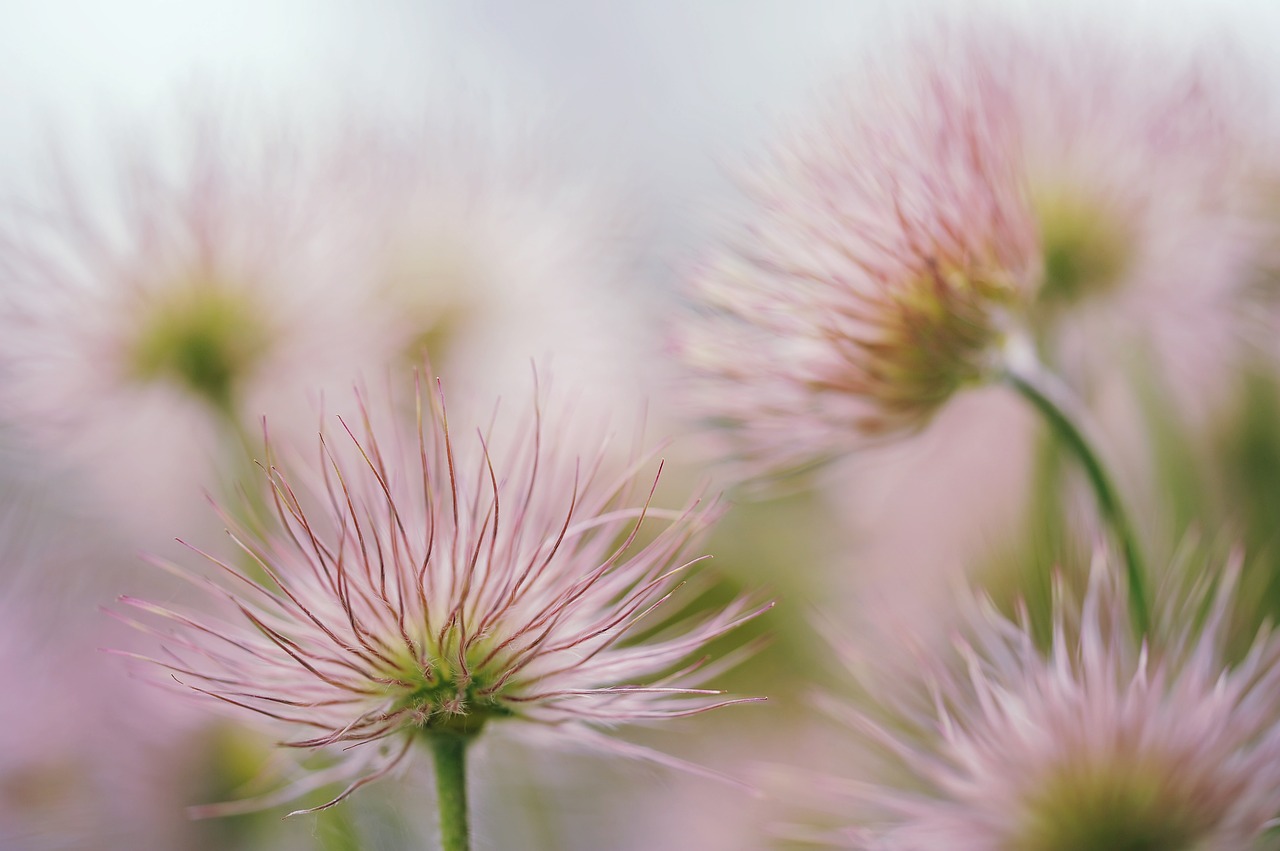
column 449, row 751
column 1055, row 402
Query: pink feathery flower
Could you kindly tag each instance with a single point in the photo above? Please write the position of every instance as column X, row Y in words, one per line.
column 888, row 241
column 1067, row 188
column 1095, row 743
column 157, row 302
column 1139, row 162
column 435, row 587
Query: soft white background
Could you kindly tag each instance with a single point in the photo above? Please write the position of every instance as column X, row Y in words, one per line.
column 664, row 91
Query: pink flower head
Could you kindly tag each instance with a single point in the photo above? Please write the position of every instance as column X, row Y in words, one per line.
column 887, row 242
column 1139, row 164
column 1095, row 743
column 1075, row 188
column 437, row 587
column 155, row 305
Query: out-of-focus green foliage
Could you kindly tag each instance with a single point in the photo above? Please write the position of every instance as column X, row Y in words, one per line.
column 1213, row 494
column 1248, row 451
column 1022, row 570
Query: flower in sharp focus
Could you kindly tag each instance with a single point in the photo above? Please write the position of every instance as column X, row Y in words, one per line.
column 437, row 586
column 1094, row 743
column 155, row 306
column 887, row 244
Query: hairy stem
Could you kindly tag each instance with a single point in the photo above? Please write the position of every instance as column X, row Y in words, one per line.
column 449, row 752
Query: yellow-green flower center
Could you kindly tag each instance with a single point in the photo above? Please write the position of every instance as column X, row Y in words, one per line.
column 204, row 337
column 1117, row 808
column 435, row 288
column 1086, row 249
column 935, row 338
column 439, row 697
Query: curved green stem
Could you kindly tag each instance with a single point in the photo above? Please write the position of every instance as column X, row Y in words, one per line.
column 449, row 751
column 1055, row 402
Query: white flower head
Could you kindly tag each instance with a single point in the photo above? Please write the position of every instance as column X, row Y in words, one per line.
column 483, row 250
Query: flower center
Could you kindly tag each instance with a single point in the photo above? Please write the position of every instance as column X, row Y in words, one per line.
column 440, row 698
column 1085, row 249
column 1118, row 809
column 204, row 337
column 934, row 340
column 436, row 288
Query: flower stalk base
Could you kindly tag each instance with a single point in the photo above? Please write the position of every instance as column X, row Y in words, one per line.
column 449, row 752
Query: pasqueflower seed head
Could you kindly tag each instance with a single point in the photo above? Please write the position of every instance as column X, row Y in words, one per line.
column 869, row 284
column 1095, row 743
column 435, row 586
column 1139, row 161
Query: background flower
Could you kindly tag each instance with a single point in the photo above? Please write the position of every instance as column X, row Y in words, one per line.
column 1150, row 333
column 887, row 244
column 1134, row 267
column 1093, row 740
column 484, row 246
column 153, row 309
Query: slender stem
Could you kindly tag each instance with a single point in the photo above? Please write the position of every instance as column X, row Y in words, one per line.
column 1055, row 402
column 449, row 751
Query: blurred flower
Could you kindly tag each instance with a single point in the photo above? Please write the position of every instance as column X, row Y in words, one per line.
column 1139, row 162
column 1116, row 135
column 80, row 749
column 1094, row 743
column 1001, row 180
column 888, row 243
column 151, row 316
column 483, row 250
column 423, row 590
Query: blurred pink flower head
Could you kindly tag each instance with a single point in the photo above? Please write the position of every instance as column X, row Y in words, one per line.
column 433, row 587
column 484, row 248
column 1068, row 188
column 165, row 300
column 1095, row 743
column 888, row 242
column 1139, row 161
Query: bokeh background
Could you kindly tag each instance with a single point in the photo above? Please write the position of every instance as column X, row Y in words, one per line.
column 618, row 128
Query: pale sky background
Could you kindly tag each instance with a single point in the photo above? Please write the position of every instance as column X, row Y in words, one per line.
column 662, row 92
